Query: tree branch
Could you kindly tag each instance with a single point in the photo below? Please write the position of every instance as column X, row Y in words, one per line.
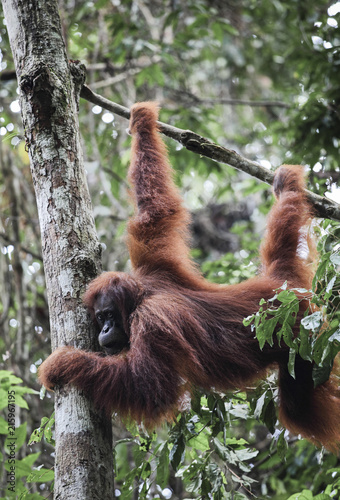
column 323, row 207
column 125, row 74
column 20, row 247
column 228, row 101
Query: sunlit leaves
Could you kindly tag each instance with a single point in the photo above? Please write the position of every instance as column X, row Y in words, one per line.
column 318, row 340
column 45, row 430
column 15, row 437
column 263, row 402
column 270, row 315
column 198, row 448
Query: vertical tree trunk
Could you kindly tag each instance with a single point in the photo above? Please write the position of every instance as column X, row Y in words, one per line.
column 71, row 252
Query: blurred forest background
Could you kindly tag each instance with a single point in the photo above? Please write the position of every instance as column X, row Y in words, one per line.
column 260, row 77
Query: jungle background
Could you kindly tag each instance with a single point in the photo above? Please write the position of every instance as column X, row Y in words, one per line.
column 258, row 77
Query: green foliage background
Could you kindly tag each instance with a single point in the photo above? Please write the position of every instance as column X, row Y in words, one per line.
column 257, row 76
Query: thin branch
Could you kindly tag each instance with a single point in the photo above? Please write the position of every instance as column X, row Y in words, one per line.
column 228, row 101
column 113, row 80
column 131, row 71
column 323, row 207
column 245, row 102
column 125, row 74
column 335, row 176
column 20, row 247
column 6, row 76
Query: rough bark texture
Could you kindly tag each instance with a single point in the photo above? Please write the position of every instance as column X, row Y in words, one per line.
column 71, row 251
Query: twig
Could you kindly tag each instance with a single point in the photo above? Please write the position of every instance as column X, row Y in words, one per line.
column 246, row 102
column 113, row 80
column 323, row 207
column 230, row 102
column 20, row 247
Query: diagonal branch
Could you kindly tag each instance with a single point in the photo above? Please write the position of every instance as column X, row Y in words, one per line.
column 323, row 207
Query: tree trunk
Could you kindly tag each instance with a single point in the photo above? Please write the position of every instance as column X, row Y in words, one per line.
column 71, row 251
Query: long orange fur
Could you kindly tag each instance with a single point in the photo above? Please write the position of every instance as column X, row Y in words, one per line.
column 180, row 326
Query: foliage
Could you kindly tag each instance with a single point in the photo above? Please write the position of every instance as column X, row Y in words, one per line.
column 17, row 474
column 45, row 430
column 319, row 337
column 205, row 447
column 199, row 59
column 198, row 449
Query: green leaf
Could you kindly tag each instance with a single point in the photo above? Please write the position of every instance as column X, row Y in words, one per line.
column 3, row 398
column 3, row 426
column 269, row 417
column 260, row 405
column 214, row 476
column 320, row 374
column 306, row 347
column 282, row 445
column 291, row 362
column 194, row 474
column 246, row 454
column 23, row 467
column 201, row 442
column 19, row 401
column 40, row 476
column 286, row 332
column 335, row 337
column 285, row 297
column 45, row 430
column 177, row 452
column 221, row 450
column 139, row 455
column 247, row 321
column 163, row 466
column 8, row 377
column 18, row 436
column 313, row 321
column 304, row 495
column 329, row 288
column 335, row 259
column 265, row 330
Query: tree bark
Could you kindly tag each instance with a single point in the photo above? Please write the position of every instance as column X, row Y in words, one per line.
column 71, row 251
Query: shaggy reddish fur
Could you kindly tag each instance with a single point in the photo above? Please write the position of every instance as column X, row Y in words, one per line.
column 183, row 330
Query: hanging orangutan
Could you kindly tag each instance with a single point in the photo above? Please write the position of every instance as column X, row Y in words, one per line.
column 166, row 329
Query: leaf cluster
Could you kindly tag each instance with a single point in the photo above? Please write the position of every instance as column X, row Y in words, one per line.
column 199, row 449
column 26, row 472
